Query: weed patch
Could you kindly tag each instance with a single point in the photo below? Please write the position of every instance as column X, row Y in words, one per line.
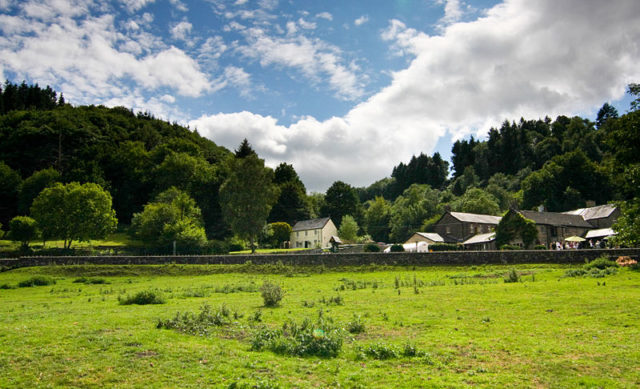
column 272, row 294
column 36, row 281
column 383, row 351
column 90, row 281
column 321, row 339
column 201, row 323
column 356, row 325
column 144, row 297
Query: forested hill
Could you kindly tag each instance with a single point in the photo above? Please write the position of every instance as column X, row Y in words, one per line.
column 134, row 157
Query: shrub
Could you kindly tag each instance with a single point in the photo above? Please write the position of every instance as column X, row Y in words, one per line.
column 371, row 248
column 513, row 276
column 445, row 247
column 217, row 247
column 600, row 263
column 509, row 247
column 94, row 281
column 36, row 281
column 143, row 298
column 539, row 247
column 321, row 339
column 7, row 286
column 380, row 351
column 397, row 248
column 271, row 294
column 356, row 326
column 198, row 324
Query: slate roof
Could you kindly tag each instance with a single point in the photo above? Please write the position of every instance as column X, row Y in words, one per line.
column 432, row 236
column 600, row 233
column 476, row 218
column 598, row 212
column 556, row 219
column 481, row 238
column 311, row 224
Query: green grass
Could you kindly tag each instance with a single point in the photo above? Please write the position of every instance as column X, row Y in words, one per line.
column 115, row 240
column 424, row 327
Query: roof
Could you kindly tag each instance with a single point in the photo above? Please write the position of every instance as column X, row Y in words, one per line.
column 600, row 233
column 311, row 224
column 556, row 219
column 481, row 238
column 476, row 218
column 598, row 212
column 335, row 239
column 432, row 236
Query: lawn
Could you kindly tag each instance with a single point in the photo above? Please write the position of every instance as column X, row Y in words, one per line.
column 462, row 325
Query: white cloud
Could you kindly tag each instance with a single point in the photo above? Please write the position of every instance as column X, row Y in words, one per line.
column 325, row 15
column 314, row 58
column 240, row 2
column 179, row 5
column 452, row 12
column 306, row 25
column 181, row 30
column 523, row 59
column 361, row 20
column 136, row 5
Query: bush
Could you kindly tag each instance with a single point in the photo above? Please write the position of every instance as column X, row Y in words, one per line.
column 94, row 281
column 539, row 247
column 356, row 326
column 509, row 247
column 144, row 297
column 512, row 276
column 198, row 324
column 7, row 286
column 235, row 247
column 36, row 281
column 397, row 248
column 271, row 294
column 371, row 248
column 217, row 247
column 446, row 247
column 600, row 263
column 381, row 351
column 321, row 339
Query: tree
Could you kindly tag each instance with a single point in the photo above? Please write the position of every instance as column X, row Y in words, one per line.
column 23, row 229
column 605, row 113
column 342, row 199
column 348, row 231
column 247, row 196
column 10, row 182
column 476, row 200
column 172, row 216
column 74, row 212
column 377, row 219
column 409, row 211
column 291, row 205
column 281, row 232
column 245, row 150
column 634, row 90
column 33, row 185
column 513, row 226
column 627, row 226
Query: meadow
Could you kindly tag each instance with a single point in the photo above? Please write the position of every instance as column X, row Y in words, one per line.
column 485, row 326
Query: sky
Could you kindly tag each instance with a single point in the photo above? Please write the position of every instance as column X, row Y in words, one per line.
column 342, row 89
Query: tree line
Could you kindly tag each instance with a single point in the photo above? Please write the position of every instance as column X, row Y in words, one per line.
column 166, row 183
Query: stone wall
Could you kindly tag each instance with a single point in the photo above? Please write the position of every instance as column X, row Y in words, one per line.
column 343, row 259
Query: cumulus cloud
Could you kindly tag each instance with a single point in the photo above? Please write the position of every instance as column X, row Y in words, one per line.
column 181, row 31
column 361, row 20
column 136, row 5
column 325, row 15
column 452, row 12
column 316, row 59
column 522, row 59
column 179, row 5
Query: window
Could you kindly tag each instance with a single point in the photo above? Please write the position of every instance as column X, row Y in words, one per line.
column 315, row 232
column 448, row 229
column 297, row 234
column 306, row 233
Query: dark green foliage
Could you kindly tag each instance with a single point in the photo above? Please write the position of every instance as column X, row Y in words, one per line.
column 90, row 281
column 600, row 263
column 321, row 339
column 382, row 351
column 509, row 247
column 271, row 293
column 371, row 248
column 7, row 286
column 397, row 248
column 342, row 199
column 245, row 150
column 36, row 281
column 10, row 182
column 446, row 247
column 292, row 205
column 539, row 247
column 23, row 229
column 377, row 218
column 199, row 324
column 32, row 186
column 514, row 226
column 26, row 97
column 423, row 169
column 143, row 298
column 606, row 113
column 216, row 247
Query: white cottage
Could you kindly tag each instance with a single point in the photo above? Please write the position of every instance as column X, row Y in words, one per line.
column 313, row 233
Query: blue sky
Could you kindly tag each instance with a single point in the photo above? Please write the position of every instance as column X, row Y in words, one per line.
column 343, row 90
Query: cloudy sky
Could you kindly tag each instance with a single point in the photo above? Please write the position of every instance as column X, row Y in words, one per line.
column 342, row 89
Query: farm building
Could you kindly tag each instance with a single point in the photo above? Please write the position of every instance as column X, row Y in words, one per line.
column 313, row 233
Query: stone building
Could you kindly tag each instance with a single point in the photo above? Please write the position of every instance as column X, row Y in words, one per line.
column 313, row 233
column 456, row 227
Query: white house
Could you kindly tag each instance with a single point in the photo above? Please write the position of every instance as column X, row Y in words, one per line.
column 313, row 233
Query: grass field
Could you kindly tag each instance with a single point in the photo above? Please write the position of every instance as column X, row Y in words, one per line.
column 462, row 326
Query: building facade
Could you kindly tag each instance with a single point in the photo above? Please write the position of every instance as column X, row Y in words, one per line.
column 457, row 227
column 313, row 233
